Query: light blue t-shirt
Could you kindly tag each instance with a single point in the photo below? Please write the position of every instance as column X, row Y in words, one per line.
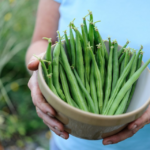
column 121, row 20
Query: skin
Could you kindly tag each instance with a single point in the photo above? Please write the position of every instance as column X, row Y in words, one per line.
column 38, row 46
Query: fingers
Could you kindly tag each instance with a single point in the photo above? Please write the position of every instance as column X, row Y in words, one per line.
column 34, row 62
column 44, row 110
column 55, row 125
column 37, row 97
column 63, row 134
column 124, row 134
column 130, row 130
column 143, row 120
column 52, row 122
column 41, row 103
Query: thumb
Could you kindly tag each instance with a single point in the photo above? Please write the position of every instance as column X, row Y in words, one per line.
column 34, row 62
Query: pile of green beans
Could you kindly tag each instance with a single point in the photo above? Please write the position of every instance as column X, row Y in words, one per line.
column 85, row 75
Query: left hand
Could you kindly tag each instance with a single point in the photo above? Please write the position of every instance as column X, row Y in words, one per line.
column 130, row 130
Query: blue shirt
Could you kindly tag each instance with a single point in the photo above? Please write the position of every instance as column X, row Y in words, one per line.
column 121, row 20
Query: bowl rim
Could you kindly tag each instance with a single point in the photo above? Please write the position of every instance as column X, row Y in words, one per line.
column 84, row 113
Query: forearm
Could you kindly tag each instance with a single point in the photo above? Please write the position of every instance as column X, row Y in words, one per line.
column 46, row 26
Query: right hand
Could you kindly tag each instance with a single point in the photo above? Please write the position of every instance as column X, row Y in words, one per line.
column 44, row 110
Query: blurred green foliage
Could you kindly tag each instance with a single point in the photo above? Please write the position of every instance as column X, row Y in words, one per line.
column 17, row 113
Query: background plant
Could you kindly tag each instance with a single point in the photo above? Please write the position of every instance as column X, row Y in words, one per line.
column 17, row 113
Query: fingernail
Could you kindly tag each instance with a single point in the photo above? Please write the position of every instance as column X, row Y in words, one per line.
column 31, row 61
column 62, row 136
column 49, row 114
column 109, row 142
column 134, row 127
column 56, row 128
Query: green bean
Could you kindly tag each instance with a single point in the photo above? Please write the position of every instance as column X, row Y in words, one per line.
column 122, row 67
column 109, row 39
column 79, row 57
column 65, row 86
column 118, row 84
column 47, row 76
column 85, row 28
column 48, row 56
column 74, row 103
column 115, row 66
column 45, row 73
column 51, row 84
column 72, row 44
column 87, row 59
column 140, row 60
column 121, row 107
column 76, row 94
column 93, row 88
column 98, row 39
column 121, row 59
column 134, row 85
column 91, row 35
column 101, row 63
column 94, row 42
column 121, row 50
column 105, row 52
column 87, row 95
column 87, row 84
column 126, row 60
column 98, row 82
column 74, row 27
column 126, row 87
column 68, row 48
column 91, row 15
column 135, row 65
column 55, row 63
column 109, row 78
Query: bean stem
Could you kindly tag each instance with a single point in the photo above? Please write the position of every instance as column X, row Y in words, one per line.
column 68, row 48
column 122, row 49
column 72, row 44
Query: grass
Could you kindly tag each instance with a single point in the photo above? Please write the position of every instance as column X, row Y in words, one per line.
column 17, row 113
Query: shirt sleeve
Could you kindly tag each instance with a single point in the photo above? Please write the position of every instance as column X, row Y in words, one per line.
column 58, row 1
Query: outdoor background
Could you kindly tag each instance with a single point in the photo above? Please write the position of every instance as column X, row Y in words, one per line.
column 20, row 127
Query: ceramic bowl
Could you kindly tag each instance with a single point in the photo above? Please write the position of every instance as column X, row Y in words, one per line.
column 91, row 126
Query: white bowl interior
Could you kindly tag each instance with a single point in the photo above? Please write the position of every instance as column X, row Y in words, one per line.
column 142, row 93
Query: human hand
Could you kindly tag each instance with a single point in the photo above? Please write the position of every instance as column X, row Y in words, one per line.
column 44, row 110
column 130, row 130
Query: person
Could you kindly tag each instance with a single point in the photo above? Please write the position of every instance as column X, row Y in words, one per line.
column 121, row 20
